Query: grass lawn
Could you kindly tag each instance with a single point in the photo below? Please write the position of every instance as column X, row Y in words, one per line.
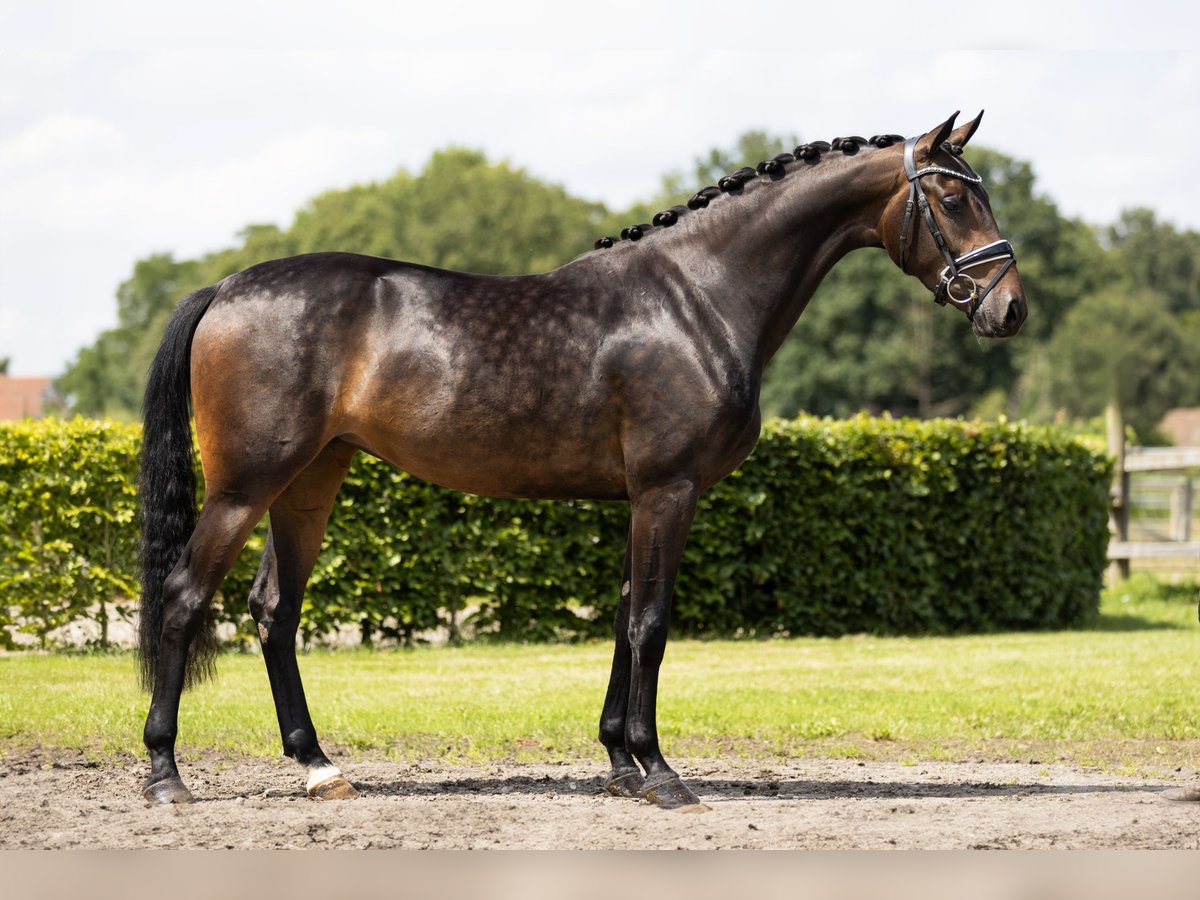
column 1121, row 694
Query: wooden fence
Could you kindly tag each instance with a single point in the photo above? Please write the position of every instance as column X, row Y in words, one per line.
column 1169, row 537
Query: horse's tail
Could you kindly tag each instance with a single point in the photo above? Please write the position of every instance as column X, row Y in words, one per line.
column 167, row 486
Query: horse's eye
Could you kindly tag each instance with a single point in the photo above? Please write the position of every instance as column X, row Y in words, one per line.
column 950, row 204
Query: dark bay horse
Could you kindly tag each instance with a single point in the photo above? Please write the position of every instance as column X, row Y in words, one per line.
column 631, row 373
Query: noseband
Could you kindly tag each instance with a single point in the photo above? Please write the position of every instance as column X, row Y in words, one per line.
column 953, row 276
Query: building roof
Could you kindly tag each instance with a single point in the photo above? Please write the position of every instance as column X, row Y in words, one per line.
column 22, row 397
column 1182, row 426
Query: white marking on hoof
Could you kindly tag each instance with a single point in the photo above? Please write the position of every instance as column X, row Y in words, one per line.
column 320, row 775
column 625, row 589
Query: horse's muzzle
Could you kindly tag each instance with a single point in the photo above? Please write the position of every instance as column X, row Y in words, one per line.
column 1001, row 316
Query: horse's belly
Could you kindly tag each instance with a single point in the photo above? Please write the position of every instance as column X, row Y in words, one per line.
column 531, row 460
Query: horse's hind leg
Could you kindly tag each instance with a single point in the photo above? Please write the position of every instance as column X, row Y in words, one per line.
column 221, row 531
column 298, row 518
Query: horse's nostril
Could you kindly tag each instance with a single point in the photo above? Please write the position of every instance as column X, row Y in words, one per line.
column 1012, row 316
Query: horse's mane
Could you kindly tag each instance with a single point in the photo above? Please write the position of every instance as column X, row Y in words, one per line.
column 733, row 183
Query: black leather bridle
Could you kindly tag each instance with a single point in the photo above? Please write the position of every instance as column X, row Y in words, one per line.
column 953, row 277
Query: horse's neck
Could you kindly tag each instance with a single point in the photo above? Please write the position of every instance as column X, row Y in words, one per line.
column 775, row 245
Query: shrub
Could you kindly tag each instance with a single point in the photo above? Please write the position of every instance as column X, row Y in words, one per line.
column 67, row 524
column 901, row 526
column 891, row 526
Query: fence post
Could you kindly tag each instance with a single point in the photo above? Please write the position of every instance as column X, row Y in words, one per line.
column 1181, row 511
column 1118, row 519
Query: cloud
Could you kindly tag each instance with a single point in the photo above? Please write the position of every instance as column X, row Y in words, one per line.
column 57, row 140
column 47, row 166
column 76, row 176
column 198, row 206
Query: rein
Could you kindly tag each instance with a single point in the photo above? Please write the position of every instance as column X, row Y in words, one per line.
column 953, row 276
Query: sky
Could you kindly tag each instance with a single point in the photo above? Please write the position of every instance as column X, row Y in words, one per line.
column 130, row 127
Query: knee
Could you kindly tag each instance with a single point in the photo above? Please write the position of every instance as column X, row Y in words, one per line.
column 648, row 640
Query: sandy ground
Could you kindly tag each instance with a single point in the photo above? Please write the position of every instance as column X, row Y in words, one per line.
column 67, row 801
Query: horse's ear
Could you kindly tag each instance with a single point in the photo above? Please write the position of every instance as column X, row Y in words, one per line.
column 935, row 138
column 963, row 133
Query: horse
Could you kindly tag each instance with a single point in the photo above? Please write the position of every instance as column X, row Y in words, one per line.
column 630, row 373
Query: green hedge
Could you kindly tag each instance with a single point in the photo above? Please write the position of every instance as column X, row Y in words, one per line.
column 68, row 536
column 881, row 525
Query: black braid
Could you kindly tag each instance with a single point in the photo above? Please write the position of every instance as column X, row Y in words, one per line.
column 811, row 152
column 669, row 217
column 774, row 168
column 848, row 145
column 733, row 182
column 701, row 197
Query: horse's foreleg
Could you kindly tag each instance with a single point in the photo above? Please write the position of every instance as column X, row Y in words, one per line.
column 298, row 520
column 625, row 779
column 661, row 519
column 220, row 533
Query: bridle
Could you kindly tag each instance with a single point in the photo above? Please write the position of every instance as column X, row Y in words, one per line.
column 953, row 277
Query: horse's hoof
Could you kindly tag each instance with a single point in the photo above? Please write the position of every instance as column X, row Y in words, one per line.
column 169, row 790
column 625, row 783
column 335, row 788
column 1188, row 794
column 669, row 792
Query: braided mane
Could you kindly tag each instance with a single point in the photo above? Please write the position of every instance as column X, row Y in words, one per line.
column 733, row 183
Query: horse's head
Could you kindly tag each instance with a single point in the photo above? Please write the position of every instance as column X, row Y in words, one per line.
column 939, row 228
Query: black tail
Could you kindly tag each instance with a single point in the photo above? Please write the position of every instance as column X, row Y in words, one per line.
column 167, row 486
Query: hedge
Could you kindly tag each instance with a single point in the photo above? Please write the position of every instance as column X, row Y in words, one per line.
column 832, row 527
column 68, row 536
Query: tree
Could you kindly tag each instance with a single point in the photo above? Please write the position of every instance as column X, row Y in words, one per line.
column 1132, row 342
column 106, row 379
column 1060, row 259
column 1117, row 345
column 1152, row 254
